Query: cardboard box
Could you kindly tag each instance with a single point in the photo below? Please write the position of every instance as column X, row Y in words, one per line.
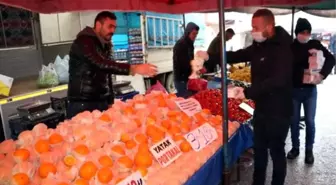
column 5, row 85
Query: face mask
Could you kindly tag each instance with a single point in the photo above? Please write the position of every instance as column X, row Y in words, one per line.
column 258, row 37
column 303, row 39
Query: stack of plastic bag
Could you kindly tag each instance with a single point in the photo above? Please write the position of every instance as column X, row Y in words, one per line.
column 62, row 69
column 157, row 87
column 316, row 62
column 47, row 77
column 195, row 82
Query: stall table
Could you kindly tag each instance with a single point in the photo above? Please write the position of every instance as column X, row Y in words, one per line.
column 212, row 171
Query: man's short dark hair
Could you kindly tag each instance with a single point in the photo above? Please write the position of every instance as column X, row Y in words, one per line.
column 103, row 15
column 266, row 14
column 230, row 30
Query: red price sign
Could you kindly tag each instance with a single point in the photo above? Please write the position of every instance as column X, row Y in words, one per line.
column 201, row 137
column 166, row 151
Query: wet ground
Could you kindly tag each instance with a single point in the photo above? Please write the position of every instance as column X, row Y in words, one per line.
column 323, row 172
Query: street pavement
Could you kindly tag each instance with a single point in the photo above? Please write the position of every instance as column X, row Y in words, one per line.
column 323, row 172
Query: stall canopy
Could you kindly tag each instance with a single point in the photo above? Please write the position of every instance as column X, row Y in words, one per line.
column 161, row 6
column 324, row 8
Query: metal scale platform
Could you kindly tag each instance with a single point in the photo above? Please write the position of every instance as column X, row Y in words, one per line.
column 123, row 90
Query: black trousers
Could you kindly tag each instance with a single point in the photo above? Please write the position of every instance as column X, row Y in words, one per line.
column 269, row 135
column 75, row 107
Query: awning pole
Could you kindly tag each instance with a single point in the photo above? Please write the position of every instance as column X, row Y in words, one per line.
column 293, row 14
column 226, row 176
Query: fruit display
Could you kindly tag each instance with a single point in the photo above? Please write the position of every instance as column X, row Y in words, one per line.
column 212, row 100
column 96, row 148
column 241, row 74
column 236, row 113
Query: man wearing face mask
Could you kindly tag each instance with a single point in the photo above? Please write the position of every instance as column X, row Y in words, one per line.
column 306, row 94
column 270, row 56
column 91, row 66
column 183, row 53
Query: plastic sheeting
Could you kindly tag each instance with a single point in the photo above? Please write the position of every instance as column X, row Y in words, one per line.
column 162, row 6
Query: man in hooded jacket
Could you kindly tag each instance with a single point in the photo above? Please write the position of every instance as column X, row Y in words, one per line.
column 271, row 89
column 183, row 53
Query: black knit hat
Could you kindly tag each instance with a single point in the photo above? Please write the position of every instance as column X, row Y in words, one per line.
column 302, row 24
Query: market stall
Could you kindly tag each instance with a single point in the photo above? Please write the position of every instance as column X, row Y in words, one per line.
column 127, row 142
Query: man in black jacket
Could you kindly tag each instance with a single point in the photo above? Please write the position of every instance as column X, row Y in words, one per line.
column 306, row 94
column 271, row 72
column 91, row 66
column 183, row 53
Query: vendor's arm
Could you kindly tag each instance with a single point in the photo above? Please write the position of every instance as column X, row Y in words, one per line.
column 329, row 62
column 279, row 76
column 242, row 55
column 88, row 48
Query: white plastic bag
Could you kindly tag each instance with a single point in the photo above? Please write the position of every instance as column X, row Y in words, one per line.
column 62, row 69
column 316, row 62
column 47, row 77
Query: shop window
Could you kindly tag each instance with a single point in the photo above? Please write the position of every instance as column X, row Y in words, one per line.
column 16, row 28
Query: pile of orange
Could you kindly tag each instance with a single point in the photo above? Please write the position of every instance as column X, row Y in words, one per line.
column 21, row 154
column 105, row 161
column 143, row 159
column 105, row 175
column 20, row 179
column 88, row 170
column 55, row 139
column 125, row 162
column 46, row 168
column 42, row 146
column 82, row 149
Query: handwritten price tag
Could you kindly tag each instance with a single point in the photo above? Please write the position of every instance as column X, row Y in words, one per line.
column 133, row 179
column 189, row 106
column 247, row 108
column 201, row 137
column 166, row 151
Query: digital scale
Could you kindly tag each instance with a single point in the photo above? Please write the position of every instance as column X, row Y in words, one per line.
column 31, row 114
column 35, row 111
column 122, row 88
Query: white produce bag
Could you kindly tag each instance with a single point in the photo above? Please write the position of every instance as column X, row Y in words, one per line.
column 47, row 77
column 62, row 69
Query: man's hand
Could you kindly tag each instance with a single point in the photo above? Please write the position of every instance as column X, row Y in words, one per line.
column 144, row 69
column 318, row 79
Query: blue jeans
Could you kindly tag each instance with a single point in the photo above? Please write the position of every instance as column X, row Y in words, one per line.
column 182, row 90
column 307, row 97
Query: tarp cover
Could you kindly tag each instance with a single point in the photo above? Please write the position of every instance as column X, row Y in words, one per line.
column 324, row 8
column 161, row 6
